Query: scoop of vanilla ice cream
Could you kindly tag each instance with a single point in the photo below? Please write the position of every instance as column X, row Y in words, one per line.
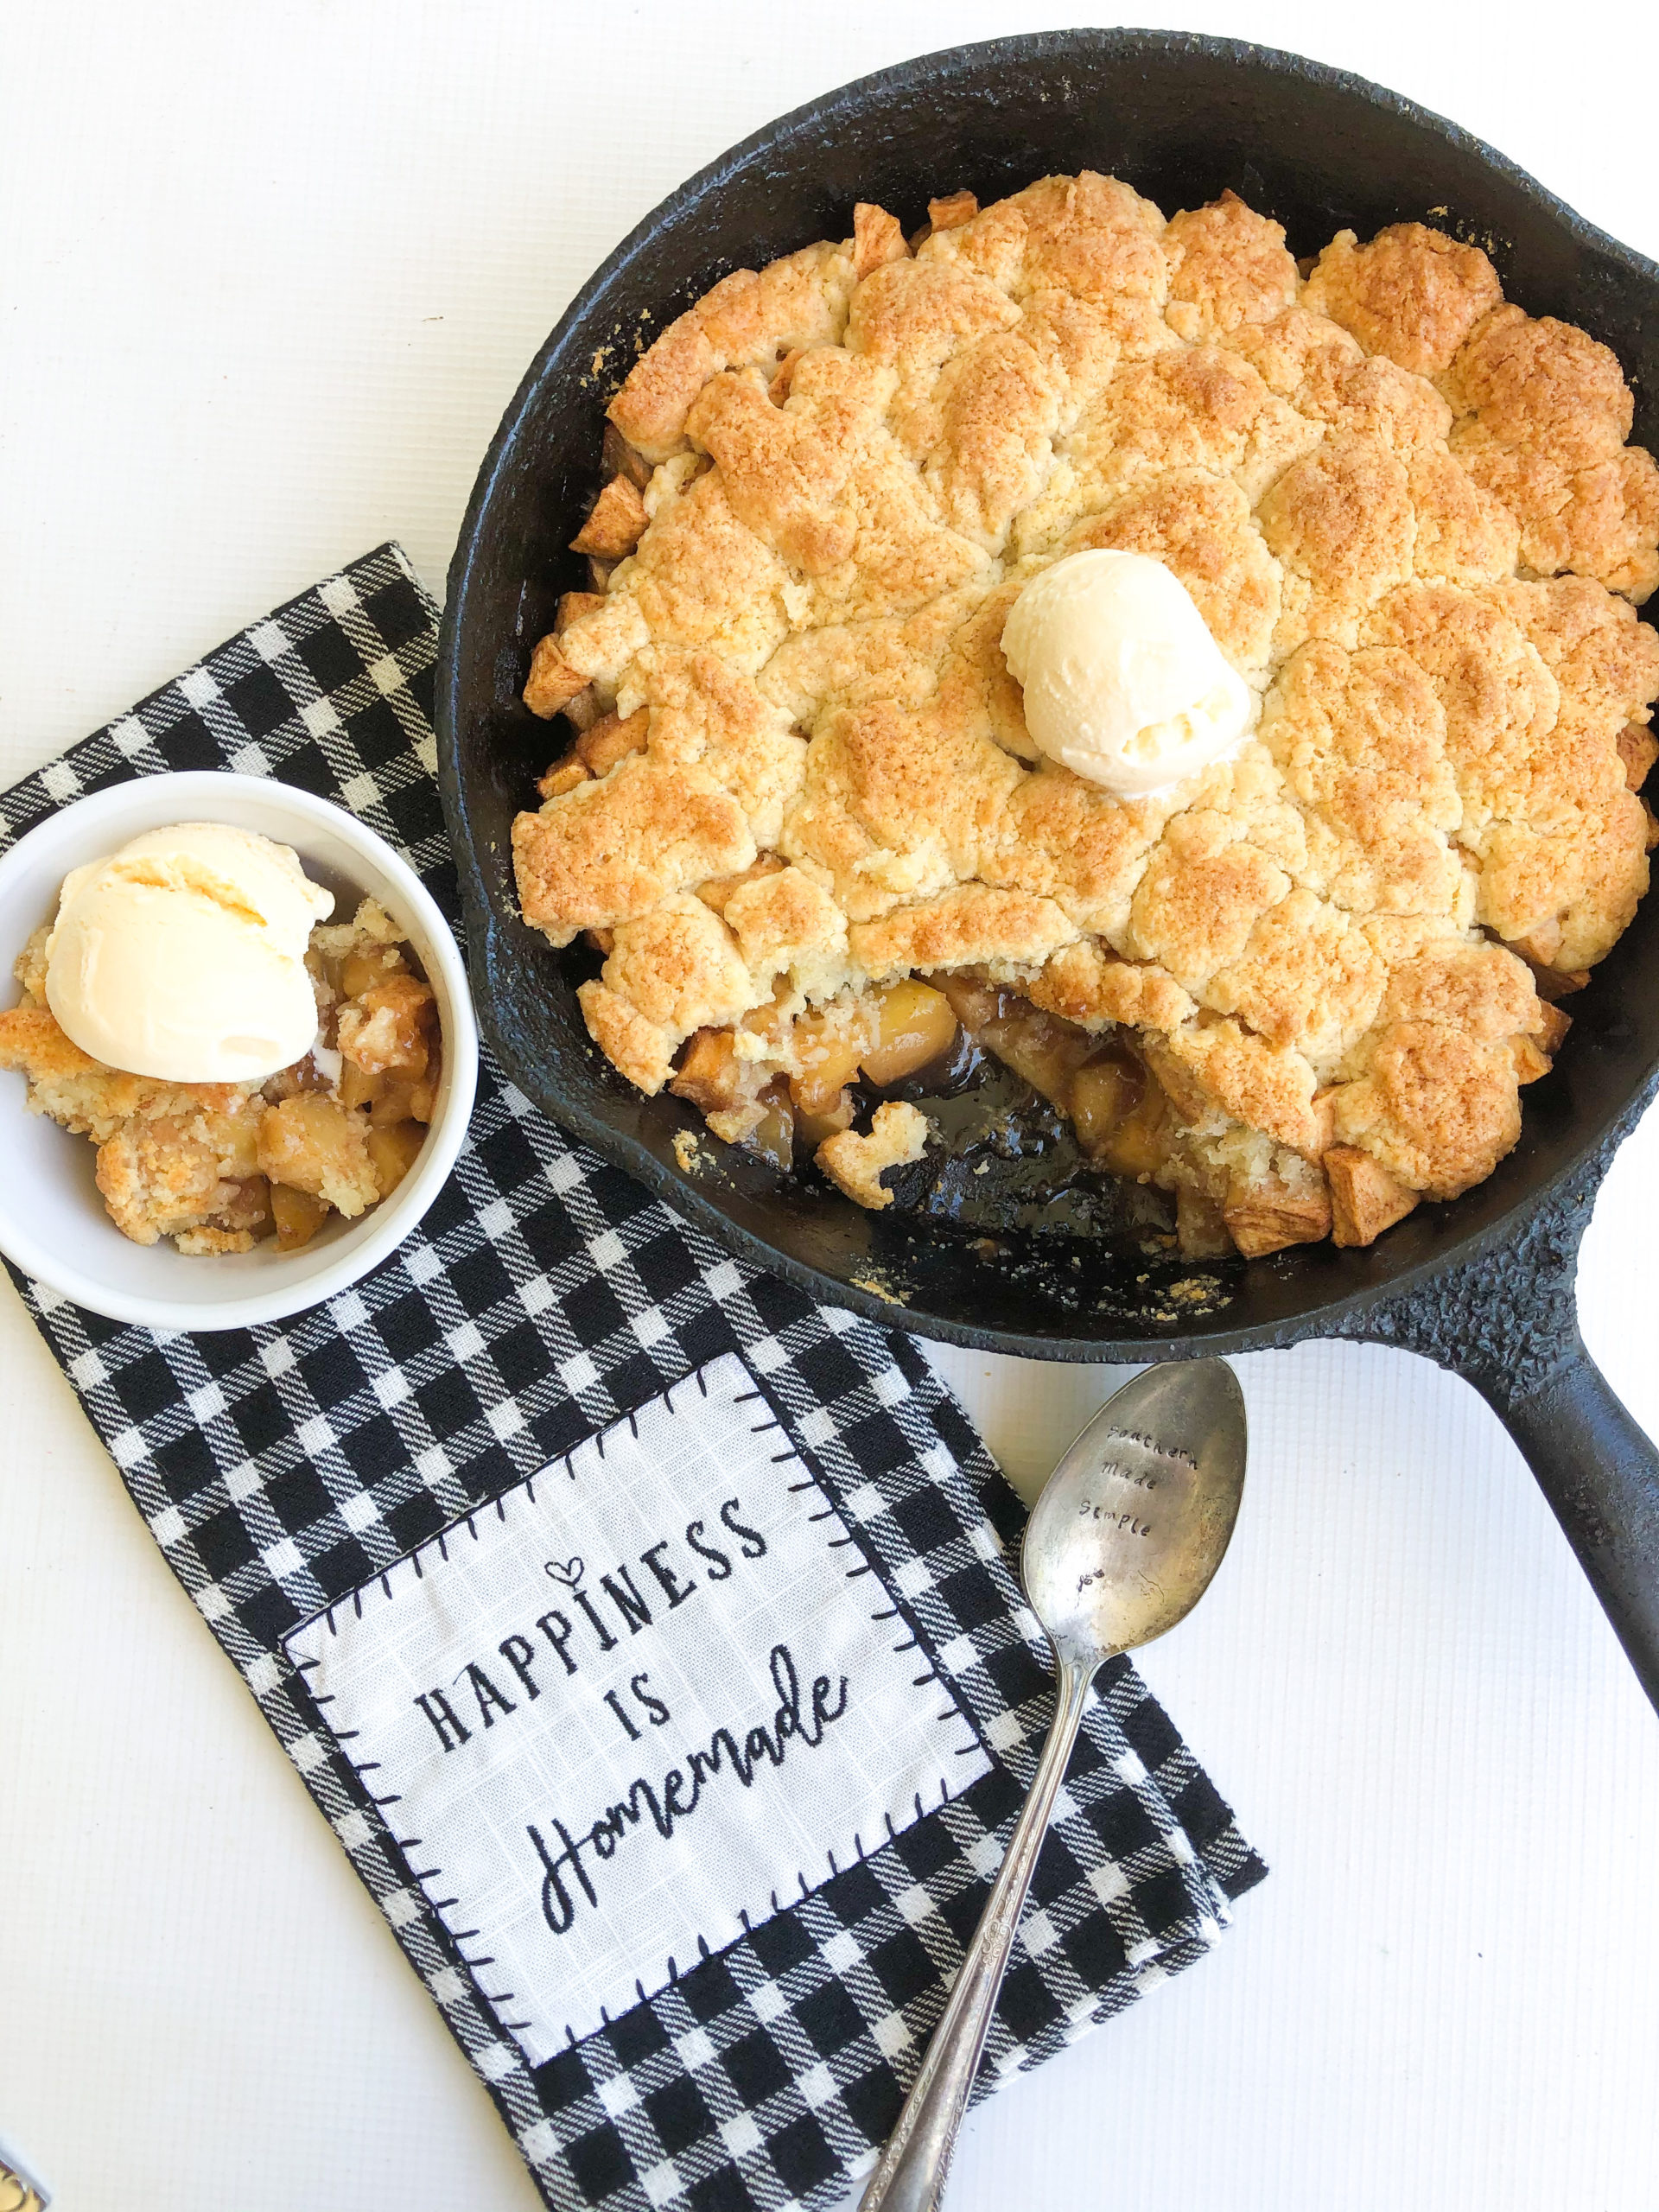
column 1123, row 682
column 182, row 956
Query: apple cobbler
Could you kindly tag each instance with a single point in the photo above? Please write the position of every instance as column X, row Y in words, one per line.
column 804, row 824
column 220, row 1167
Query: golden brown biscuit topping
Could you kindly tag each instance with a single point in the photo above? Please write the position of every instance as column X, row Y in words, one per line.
column 1407, row 513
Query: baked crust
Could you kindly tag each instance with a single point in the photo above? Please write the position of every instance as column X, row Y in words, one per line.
column 1408, row 511
column 898, row 1136
column 1412, row 294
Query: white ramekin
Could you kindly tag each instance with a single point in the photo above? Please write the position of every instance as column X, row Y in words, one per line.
column 53, row 1224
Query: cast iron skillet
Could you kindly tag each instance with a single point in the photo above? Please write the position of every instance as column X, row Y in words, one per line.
column 1484, row 1286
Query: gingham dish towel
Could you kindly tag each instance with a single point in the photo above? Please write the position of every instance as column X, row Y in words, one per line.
column 646, row 1633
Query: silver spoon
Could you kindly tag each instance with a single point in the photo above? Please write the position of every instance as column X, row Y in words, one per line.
column 1121, row 1545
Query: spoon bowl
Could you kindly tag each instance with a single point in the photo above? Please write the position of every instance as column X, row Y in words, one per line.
column 1135, row 1520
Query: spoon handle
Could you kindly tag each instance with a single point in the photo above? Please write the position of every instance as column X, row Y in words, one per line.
column 911, row 2174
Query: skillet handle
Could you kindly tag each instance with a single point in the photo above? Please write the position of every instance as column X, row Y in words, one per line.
column 1599, row 1471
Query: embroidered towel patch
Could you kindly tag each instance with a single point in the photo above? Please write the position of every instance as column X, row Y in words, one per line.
column 608, row 1762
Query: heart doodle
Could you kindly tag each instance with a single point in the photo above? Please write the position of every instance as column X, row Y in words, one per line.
column 569, row 1572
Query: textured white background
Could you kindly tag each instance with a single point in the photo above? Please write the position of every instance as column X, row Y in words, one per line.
column 268, row 275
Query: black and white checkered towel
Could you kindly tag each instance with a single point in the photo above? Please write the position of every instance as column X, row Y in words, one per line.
column 560, row 1420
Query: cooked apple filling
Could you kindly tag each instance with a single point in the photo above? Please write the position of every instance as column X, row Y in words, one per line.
column 805, row 823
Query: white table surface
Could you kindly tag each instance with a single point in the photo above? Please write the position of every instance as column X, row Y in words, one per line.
column 268, row 274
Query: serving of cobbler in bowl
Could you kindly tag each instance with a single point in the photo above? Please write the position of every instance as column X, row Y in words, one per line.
column 241, row 1058
column 219, row 1167
column 829, row 876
